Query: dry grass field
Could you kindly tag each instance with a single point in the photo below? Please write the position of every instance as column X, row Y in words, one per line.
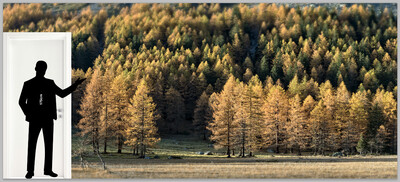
column 264, row 165
column 281, row 167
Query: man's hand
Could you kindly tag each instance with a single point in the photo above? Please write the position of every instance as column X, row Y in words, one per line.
column 79, row 81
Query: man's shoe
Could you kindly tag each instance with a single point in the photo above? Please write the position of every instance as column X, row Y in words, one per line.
column 29, row 175
column 51, row 173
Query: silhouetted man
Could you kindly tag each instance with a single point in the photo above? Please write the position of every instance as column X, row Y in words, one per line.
column 38, row 102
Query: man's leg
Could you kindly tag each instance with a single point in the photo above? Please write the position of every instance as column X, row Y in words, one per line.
column 34, row 130
column 48, row 128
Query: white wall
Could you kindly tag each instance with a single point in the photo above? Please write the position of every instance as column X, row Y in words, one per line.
column 21, row 54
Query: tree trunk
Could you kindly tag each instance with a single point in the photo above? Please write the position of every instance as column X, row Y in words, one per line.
column 299, row 151
column 393, row 140
column 105, row 146
column 106, row 133
column 101, row 160
column 243, row 145
column 276, row 140
column 119, row 144
column 97, row 145
column 81, row 160
column 229, row 149
column 228, row 152
column 93, row 143
column 142, row 151
column 243, row 151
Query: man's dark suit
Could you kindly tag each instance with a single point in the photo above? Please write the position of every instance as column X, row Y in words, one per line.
column 38, row 102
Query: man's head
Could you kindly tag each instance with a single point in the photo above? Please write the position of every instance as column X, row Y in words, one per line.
column 41, row 68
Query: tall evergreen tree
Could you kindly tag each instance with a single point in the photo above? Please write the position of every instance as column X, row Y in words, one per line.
column 90, row 109
column 276, row 113
column 388, row 106
column 308, row 105
column 241, row 135
column 297, row 125
column 141, row 130
column 345, row 134
column 320, row 129
column 359, row 111
column 223, row 126
column 253, row 105
column 118, row 97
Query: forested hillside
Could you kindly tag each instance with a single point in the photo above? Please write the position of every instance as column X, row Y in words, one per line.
column 247, row 77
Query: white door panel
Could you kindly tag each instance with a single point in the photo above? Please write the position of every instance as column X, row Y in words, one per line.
column 21, row 51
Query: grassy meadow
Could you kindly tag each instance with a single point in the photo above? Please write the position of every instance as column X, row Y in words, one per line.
column 194, row 165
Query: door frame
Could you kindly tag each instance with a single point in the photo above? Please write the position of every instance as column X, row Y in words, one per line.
column 66, row 38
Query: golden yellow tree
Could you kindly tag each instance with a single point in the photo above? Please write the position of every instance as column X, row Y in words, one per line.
column 320, row 129
column 141, row 130
column 118, row 98
column 241, row 118
column 359, row 107
column 387, row 103
column 90, row 109
column 328, row 99
column 223, row 126
column 346, row 136
column 308, row 106
column 297, row 125
column 105, row 124
column 78, row 94
column 276, row 114
column 254, row 104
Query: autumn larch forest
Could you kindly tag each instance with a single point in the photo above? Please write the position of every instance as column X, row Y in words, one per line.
column 246, row 77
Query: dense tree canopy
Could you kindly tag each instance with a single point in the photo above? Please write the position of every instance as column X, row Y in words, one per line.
column 313, row 77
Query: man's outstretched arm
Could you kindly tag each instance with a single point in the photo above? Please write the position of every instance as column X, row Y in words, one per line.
column 64, row 92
